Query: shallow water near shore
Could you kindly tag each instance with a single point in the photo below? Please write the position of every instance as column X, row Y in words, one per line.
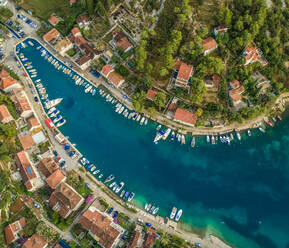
column 238, row 192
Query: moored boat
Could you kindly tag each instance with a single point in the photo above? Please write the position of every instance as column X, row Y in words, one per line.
column 179, row 214
column 109, row 178
column 53, row 103
column 131, row 196
column 120, row 186
column 173, row 213
column 61, row 123
column 193, row 142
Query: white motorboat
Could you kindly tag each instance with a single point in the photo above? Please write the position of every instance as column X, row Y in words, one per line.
column 53, row 103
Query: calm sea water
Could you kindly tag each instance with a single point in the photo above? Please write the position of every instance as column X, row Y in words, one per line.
column 238, row 192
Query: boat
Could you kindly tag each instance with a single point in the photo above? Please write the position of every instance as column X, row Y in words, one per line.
column 269, row 123
column 179, row 214
column 126, row 194
column 155, row 211
column 114, row 187
column 146, row 121
column 109, row 178
column 193, row 142
column 57, row 118
column 120, row 186
column 61, row 123
column 168, row 131
column 51, row 110
column 159, row 135
column 262, row 130
column 84, row 161
column 249, row 132
column 238, row 135
column 121, row 110
column 213, row 140
column 183, row 139
column 173, row 213
column 274, row 119
column 159, row 127
column 112, row 184
column 142, row 120
column 54, row 113
column 131, row 196
column 146, row 206
column 232, row 136
column 122, row 193
column 100, row 176
column 279, row 117
column 53, row 103
column 92, row 168
column 208, row 138
column 152, row 209
column 95, row 172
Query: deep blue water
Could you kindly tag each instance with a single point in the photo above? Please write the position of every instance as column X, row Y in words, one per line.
column 239, row 192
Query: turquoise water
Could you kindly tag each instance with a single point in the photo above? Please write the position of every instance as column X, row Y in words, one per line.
column 239, row 192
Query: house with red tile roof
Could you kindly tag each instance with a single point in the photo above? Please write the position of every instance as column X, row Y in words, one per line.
column 251, row 54
column 85, row 61
column 51, row 35
column 185, row 117
column 209, row 45
column 26, row 142
column 151, row 94
column 236, row 92
column 12, row 231
column 53, row 20
column 7, row 83
column 83, row 21
column 149, row 240
column 55, row 179
column 63, row 45
column 21, row 102
column 33, row 123
column 113, row 77
column 122, row 42
column 35, row 241
column 47, row 166
column 184, row 73
column 221, row 30
column 213, row 81
column 76, row 32
column 27, row 171
column 101, row 227
column 5, row 116
column 65, row 200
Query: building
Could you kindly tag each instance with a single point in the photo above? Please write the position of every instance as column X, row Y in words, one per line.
column 12, row 231
column 213, row 82
column 183, row 73
column 209, row 45
column 251, row 54
column 236, row 92
column 26, row 141
column 7, row 83
column 136, row 240
column 113, row 77
column 185, row 117
column 149, row 239
column 121, row 41
column 83, row 21
column 220, row 30
column 65, row 200
column 21, row 102
column 53, row 20
column 84, row 62
column 108, row 54
column 101, row 227
column 35, row 241
column 76, row 32
column 47, row 166
column 63, row 46
column 151, row 94
column 5, row 116
column 51, row 35
column 27, row 172
column 55, row 179
column 33, row 123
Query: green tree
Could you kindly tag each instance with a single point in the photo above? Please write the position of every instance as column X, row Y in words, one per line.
column 198, row 90
column 160, row 100
column 152, row 112
column 163, row 72
column 90, row 7
column 138, row 101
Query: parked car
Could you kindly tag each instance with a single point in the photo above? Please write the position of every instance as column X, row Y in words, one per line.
column 62, row 163
column 27, row 199
column 36, row 205
column 115, row 214
column 139, row 220
column 36, row 99
column 55, row 153
column 148, row 224
column 110, row 210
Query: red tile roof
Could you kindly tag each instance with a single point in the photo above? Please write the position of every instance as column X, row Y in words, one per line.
column 236, row 94
column 51, row 35
column 75, row 31
column 55, row 179
column 251, row 54
column 121, row 41
column 151, row 94
column 13, row 229
column 209, row 43
column 26, row 170
column 26, row 141
column 47, row 166
column 7, row 82
column 115, row 78
column 4, row 74
column 107, row 69
column 185, row 116
column 4, row 114
column 217, row 79
column 21, row 101
column 133, row 242
column 185, row 71
column 35, row 241
column 149, row 240
column 100, row 226
column 53, row 20
column 32, row 122
column 82, row 18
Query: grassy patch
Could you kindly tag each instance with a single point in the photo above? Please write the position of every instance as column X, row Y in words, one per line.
column 44, row 9
column 71, row 52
